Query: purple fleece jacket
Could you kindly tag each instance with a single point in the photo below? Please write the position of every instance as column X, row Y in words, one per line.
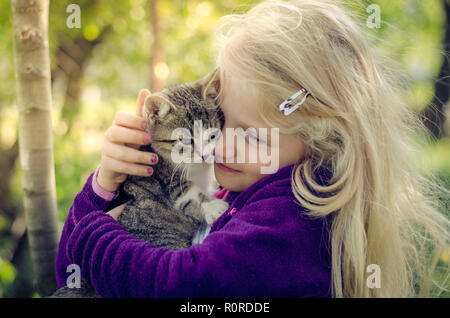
column 262, row 246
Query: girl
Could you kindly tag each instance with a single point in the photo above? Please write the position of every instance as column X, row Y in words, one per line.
column 346, row 195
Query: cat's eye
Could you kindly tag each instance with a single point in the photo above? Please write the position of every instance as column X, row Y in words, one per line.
column 215, row 135
column 185, row 141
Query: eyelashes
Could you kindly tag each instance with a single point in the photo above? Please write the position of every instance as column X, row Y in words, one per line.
column 185, row 141
column 255, row 138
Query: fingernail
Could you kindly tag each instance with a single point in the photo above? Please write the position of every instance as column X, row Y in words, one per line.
column 144, row 125
column 154, row 158
column 150, row 171
column 147, row 139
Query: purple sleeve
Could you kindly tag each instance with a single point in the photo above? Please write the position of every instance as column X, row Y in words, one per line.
column 266, row 249
column 85, row 202
column 104, row 194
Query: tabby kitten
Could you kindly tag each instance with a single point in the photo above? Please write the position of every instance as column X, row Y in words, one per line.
column 168, row 208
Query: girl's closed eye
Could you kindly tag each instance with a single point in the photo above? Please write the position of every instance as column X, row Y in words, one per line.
column 248, row 135
column 254, row 137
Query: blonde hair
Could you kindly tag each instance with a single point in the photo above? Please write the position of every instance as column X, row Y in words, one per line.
column 384, row 209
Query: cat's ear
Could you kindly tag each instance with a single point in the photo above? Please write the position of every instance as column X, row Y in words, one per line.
column 209, row 84
column 143, row 93
column 155, row 108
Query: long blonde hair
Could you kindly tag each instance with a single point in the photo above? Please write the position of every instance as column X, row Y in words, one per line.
column 384, row 209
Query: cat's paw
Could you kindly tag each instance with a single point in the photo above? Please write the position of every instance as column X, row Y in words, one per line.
column 213, row 209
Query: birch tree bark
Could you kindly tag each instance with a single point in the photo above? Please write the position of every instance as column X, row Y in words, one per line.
column 32, row 68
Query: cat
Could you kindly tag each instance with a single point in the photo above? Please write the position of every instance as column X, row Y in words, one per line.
column 171, row 208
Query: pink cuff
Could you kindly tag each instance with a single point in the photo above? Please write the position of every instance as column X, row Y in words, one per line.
column 102, row 193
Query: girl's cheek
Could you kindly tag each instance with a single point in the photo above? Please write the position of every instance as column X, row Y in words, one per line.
column 253, row 170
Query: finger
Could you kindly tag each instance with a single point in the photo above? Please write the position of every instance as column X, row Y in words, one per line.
column 143, row 93
column 124, row 153
column 127, row 135
column 132, row 145
column 128, row 120
column 126, row 167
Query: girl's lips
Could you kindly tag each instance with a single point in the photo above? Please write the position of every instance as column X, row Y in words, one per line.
column 225, row 168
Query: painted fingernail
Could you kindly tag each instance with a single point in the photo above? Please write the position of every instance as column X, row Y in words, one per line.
column 144, row 125
column 147, row 139
column 150, row 171
column 154, row 158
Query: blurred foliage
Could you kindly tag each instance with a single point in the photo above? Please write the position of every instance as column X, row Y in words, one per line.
column 411, row 33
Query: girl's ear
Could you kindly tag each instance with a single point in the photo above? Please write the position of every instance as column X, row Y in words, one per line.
column 155, row 108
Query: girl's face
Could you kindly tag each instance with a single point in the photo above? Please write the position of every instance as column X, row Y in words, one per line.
column 235, row 168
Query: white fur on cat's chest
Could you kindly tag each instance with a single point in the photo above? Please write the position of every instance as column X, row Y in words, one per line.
column 202, row 175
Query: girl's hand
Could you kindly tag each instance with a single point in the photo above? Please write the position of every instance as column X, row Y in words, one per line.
column 120, row 156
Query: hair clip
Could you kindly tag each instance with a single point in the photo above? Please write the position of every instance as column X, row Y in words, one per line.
column 286, row 107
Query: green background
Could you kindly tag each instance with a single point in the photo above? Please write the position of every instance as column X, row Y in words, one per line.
column 118, row 67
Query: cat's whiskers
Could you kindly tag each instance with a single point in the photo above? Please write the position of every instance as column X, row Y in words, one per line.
column 171, row 177
column 173, row 174
column 184, row 173
column 181, row 179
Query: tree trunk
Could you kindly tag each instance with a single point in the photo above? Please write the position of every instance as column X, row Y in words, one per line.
column 32, row 67
column 433, row 115
column 156, row 83
column 71, row 58
column 7, row 160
